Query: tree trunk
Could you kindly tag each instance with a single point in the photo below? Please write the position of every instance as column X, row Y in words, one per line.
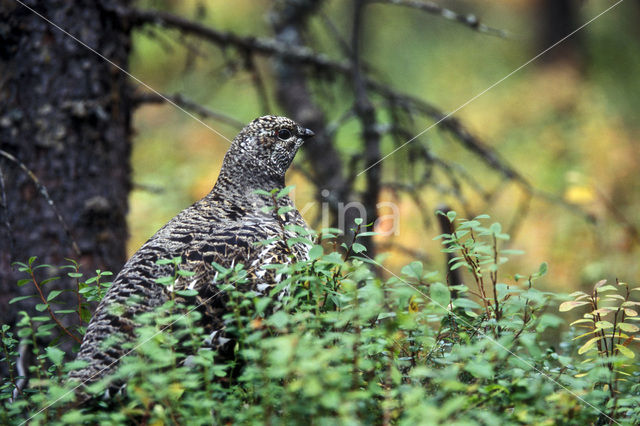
column 65, row 114
column 334, row 189
column 557, row 19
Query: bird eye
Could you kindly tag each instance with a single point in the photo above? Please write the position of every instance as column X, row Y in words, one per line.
column 283, row 134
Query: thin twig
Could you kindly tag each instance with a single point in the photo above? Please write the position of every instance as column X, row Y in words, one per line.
column 304, row 56
column 259, row 45
column 49, row 310
column 468, row 20
column 179, row 99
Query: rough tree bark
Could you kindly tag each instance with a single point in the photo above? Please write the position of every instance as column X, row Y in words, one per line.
column 65, row 114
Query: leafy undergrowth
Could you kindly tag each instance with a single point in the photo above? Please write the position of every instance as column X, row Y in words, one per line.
column 335, row 344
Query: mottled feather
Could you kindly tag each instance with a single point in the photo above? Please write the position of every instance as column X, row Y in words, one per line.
column 222, row 227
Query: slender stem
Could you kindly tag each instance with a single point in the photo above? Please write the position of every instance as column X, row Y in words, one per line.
column 51, row 314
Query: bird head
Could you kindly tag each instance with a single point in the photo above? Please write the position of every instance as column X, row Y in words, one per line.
column 266, row 146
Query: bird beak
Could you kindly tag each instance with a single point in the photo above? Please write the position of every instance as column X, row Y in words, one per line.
column 306, row 134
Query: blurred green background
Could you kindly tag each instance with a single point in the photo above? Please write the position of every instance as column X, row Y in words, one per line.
column 566, row 122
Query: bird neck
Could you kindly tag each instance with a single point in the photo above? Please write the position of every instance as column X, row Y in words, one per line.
column 239, row 182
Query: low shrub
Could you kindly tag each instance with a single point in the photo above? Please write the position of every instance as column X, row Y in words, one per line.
column 336, row 343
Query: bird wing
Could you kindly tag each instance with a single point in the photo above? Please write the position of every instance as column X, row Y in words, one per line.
column 200, row 237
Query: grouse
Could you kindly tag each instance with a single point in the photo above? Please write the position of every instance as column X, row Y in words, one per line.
column 223, row 227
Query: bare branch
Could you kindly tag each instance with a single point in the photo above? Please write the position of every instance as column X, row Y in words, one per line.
column 305, row 56
column 468, row 20
column 301, row 55
column 258, row 45
column 204, row 112
column 366, row 114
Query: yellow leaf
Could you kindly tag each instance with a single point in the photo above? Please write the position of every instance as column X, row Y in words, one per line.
column 176, row 390
column 590, row 343
column 567, row 306
column 626, row 351
column 579, row 194
column 629, row 328
column 413, row 306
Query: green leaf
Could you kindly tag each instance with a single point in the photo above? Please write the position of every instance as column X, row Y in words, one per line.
column 358, row 248
column 19, row 298
column 42, row 318
column 298, row 240
column 185, row 273
column 74, row 274
column 187, row 293
column 440, row 295
column 413, row 270
column 542, row 270
column 48, row 280
column 462, row 302
column 85, row 314
column 480, row 369
column 316, row 252
column 368, row 234
column 495, row 228
column 263, row 192
column 626, row 351
column 299, row 230
column 23, row 282
column 605, row 288
column 218, row 267
column 261, row 304
column 55, row 355
column 358, row 221
column 451, row 215
column 40, row 307
column 279, row 320
column 599, row 284
column 165, row 280
column 285, row 209
column 53, row 294
column 284, row 192
column 604, row 325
